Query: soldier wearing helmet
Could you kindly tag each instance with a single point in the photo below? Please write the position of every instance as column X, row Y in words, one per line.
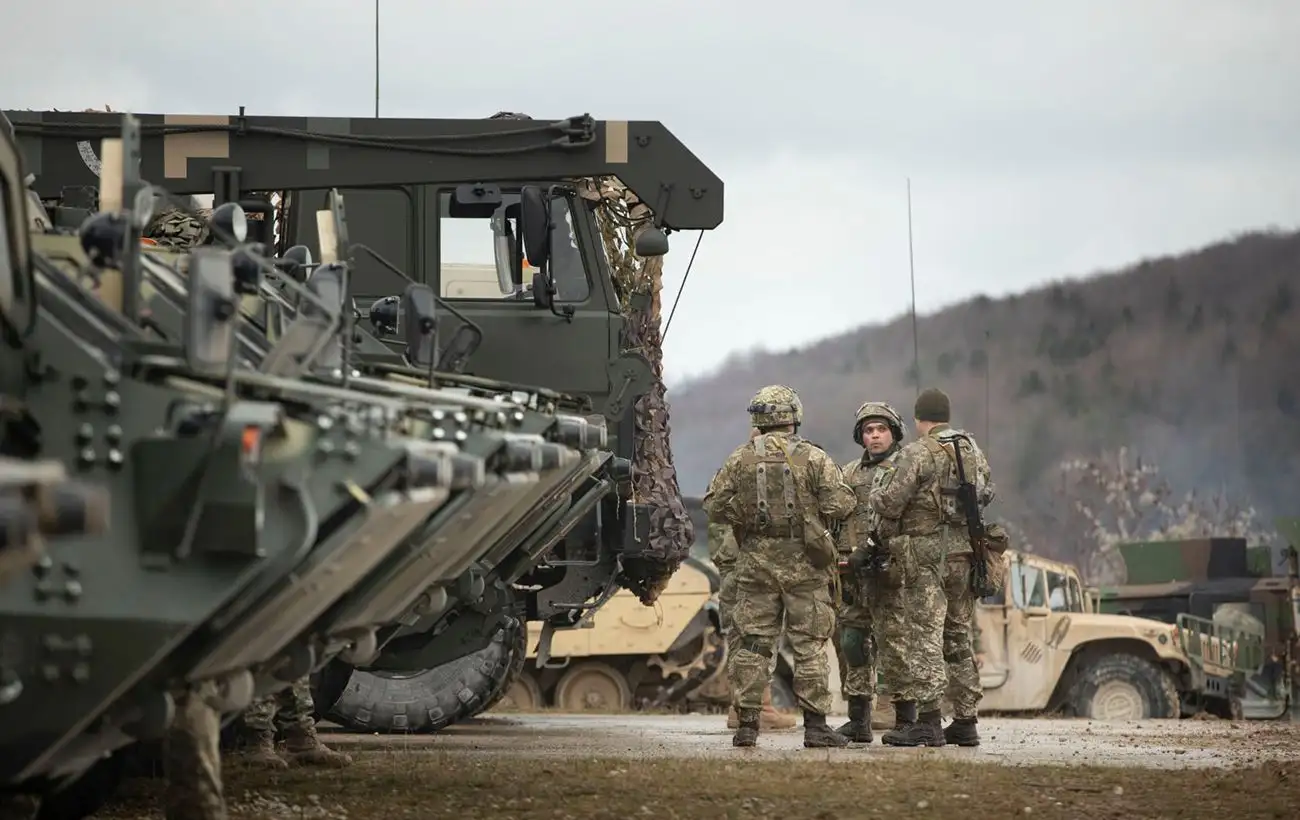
column 878, row 430
column 926, row 643
column 724, row 552
column 780, row 493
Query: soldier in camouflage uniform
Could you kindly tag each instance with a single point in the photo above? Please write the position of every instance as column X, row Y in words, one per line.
column 724, row 552
column 764, row 490
column 878, row 429
column 290, row 710
column 926, row 643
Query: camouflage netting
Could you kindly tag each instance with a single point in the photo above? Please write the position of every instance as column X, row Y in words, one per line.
column 639, row 283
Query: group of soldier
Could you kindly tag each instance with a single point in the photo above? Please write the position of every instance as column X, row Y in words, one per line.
column 887, row 554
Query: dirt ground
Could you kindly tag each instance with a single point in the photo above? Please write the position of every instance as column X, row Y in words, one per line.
column 569, row 766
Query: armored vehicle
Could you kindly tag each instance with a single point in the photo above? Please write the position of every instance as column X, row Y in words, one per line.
column 1040, row 645
column 547, row 195
column 245, row 506
column 1208, row 585
column 631, row 656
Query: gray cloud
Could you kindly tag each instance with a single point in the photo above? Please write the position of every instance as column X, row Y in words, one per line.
column 1043, row 139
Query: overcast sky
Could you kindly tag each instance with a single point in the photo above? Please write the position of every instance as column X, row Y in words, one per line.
column 1043, row 139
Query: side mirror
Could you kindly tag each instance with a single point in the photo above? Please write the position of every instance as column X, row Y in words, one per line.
column 209, row 318
column 421, row 324
column 503, row 252
column 650, row 242
column 535, row 224
column 230, row 219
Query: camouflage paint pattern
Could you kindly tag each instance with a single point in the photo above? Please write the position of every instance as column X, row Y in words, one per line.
column 174, row 229
column 1194, row 559
column 192, row 759
column 964, row 690
column 775, row 584
column 289, row 709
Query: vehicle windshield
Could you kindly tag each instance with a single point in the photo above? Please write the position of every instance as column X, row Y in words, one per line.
column 468, row 253
column 1027, row 586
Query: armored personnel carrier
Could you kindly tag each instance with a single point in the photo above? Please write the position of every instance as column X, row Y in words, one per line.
column 565, row 548
column 264, row 513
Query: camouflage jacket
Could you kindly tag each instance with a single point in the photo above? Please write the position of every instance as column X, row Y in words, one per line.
column 916, row 493
column 757, row 503
column 861, row 474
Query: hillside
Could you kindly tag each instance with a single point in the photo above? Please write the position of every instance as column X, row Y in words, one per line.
column 1191, row 361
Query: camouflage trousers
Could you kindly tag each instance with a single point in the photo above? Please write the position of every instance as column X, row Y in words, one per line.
column 726, row 605
column 762, row 608
column 288, row 709
column 910, row 626
column 192, row 759
column 856, row 644
column 964, row 689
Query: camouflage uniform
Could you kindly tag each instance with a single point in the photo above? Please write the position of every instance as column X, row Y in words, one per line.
column 290, row 710
column 927, row 641
column 855, row 628
column 774, row 579
column 724, row 553
column 192, row 759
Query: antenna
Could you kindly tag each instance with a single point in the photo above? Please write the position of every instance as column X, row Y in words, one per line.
column 911, row 265
column 376, row 59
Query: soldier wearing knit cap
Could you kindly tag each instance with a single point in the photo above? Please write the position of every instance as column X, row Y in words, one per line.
column 926, row 645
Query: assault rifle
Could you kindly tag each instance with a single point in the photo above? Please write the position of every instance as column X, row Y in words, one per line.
column 968, row 501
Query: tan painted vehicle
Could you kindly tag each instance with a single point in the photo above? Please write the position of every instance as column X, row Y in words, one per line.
column 1042, row 646
column 632, row 656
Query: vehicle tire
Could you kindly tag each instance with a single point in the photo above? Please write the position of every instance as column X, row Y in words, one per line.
column 523, row 695
column 593, row 686
column 327, row 687
column 1123, row 687
column 518, row 657
column 388, row 702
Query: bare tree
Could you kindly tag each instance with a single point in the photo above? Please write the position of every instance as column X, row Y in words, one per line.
column 1119, row 498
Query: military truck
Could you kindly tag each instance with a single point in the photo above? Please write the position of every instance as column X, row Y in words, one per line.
column 1212, row 584
column 540, row 190
column 1042, row 646
column 631, row 656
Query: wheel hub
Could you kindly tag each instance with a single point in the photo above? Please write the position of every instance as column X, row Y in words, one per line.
column 1117, row 700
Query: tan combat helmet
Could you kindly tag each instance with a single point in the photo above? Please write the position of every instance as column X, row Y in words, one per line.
column 775, row 406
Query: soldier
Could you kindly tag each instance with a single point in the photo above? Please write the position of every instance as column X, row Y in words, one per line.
column 878, row 429
column 778, row 492
column 724, row 553
column 926, row 643
column 291, row 708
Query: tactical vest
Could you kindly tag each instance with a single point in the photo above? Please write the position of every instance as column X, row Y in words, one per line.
column 943, row 490
column 767, row 487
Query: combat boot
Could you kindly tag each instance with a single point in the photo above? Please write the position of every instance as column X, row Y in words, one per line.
column 747, row 733
column 858, row 727
column 904, row 718
column 962, row 732
column 770, row 720
column 261, row 753
column 927, row 730
column 817, row 735
column 305, row 749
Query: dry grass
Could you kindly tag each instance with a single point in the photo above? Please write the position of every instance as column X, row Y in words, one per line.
column 388, row 785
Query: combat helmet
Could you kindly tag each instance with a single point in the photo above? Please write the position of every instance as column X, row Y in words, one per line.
column 877, row 410
column 775, row 406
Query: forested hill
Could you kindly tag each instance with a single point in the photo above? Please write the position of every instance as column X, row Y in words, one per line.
column 1191, row 361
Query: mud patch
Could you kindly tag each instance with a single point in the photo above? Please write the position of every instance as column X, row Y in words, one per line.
column 386, row 785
